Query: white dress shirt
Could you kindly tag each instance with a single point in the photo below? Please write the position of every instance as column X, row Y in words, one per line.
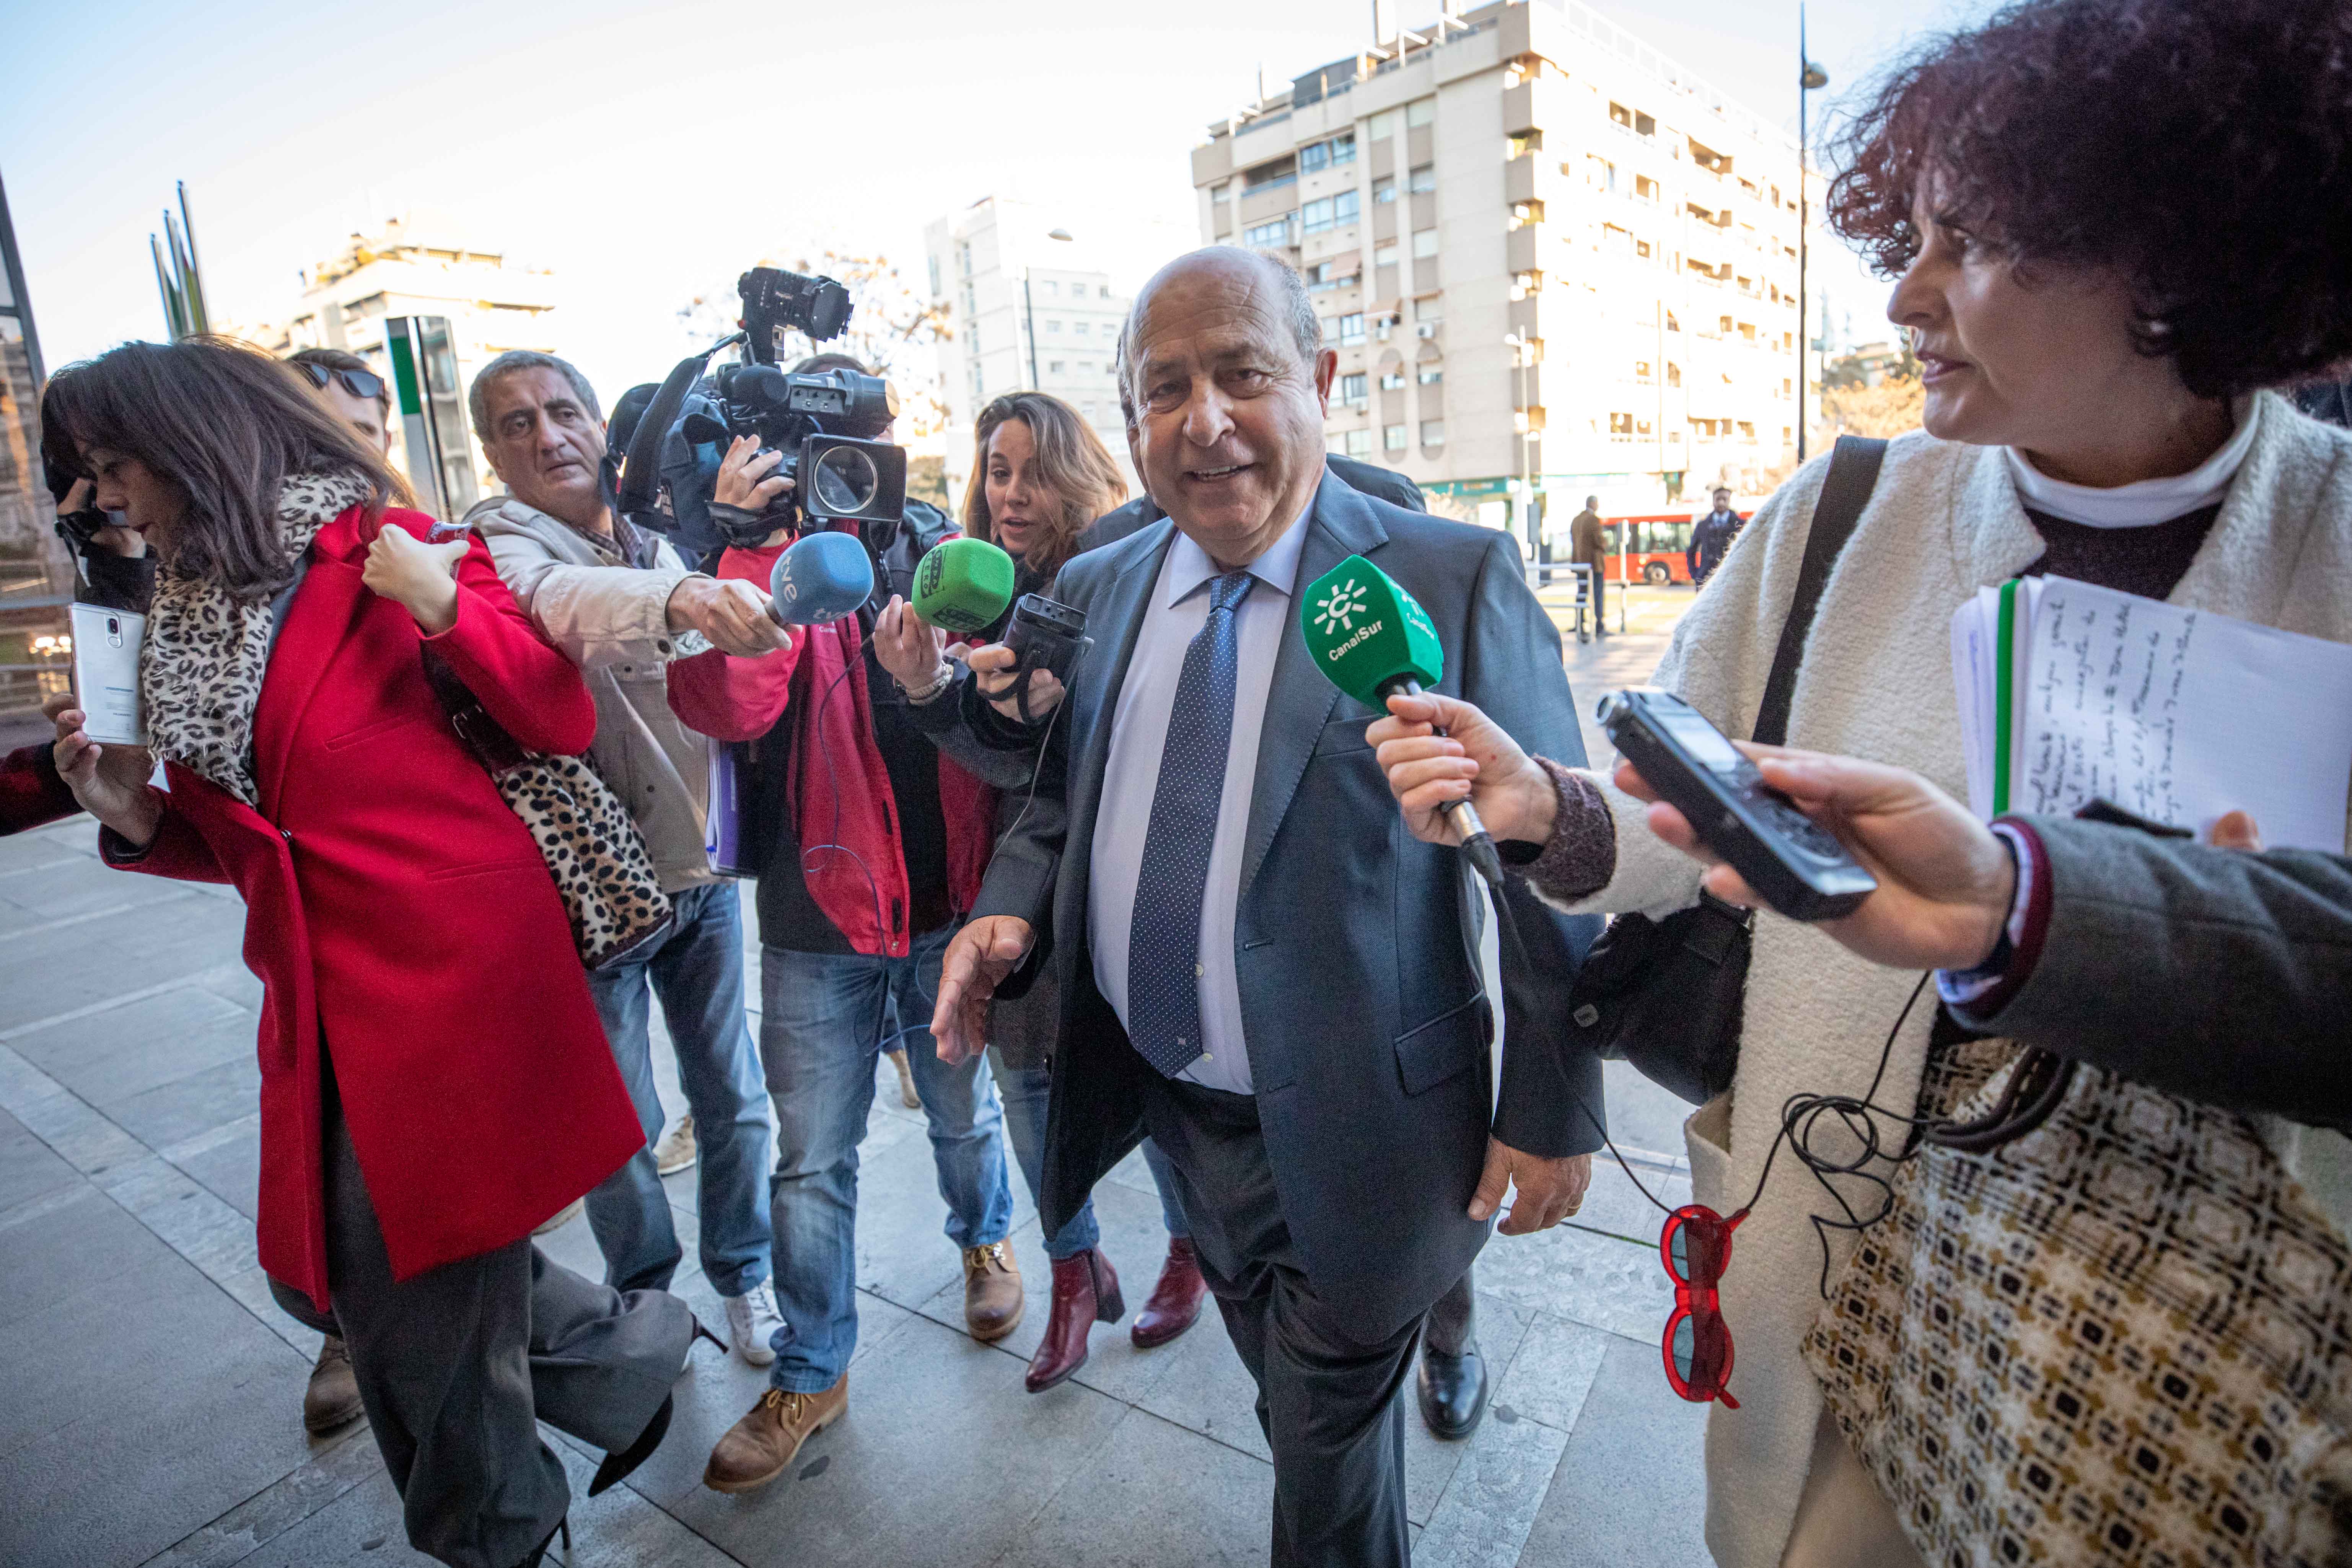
column 1178, row 608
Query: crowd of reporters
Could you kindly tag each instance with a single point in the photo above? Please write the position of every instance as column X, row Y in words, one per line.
column 1160, row 899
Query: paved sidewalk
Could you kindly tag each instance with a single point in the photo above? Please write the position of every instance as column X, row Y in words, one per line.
column 151, row 1394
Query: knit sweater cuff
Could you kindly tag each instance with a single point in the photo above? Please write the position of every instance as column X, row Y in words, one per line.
column 1580, row 857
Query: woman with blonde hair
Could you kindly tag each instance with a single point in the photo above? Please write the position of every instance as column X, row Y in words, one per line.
column 1040, row 474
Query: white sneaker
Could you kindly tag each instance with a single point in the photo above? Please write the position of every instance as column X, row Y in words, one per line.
column 750, row 1318
column 677, row 1149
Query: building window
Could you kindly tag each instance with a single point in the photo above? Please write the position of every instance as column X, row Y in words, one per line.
column 1642, row 371
column 1052, row 288
column 1525, row 142
column 1432, row 432
column 1314, row 218
column 1674, row 374
column 1645, row 188
column 1432, row 375
column 1353, row 391
column 1393, row 381
column 1343, row 147
column 1319, row 278
column 1085, row 367
column 1103, row 292
column 1313, row 156
column 1267, row 235
column 1351, row 328
column 1053, row 367
column 1266, row 176
column 1393, row 438
column 1621, row 425
column 1381, row 124
column 1360, row 443
column 1053, row 329
column 1424, row 243
column 1345, row 206
column 1423, row 180
column 1330, row 327
column 1220, row 191
column 1420, row 111
column 1384, row 254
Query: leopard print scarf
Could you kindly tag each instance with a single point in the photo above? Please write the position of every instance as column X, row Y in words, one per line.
column 200, row 669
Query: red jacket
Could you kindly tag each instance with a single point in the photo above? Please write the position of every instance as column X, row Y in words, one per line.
column 395, row 903
column 31, row 793
column 821, row 679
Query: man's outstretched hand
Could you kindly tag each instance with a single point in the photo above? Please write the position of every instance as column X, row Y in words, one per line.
column 1550, row 1190
column 982, row 954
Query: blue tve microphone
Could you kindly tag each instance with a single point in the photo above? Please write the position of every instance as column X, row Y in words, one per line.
column 823, row 577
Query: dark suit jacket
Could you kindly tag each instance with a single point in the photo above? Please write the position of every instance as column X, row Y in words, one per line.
column 1368, row 1031
column 2216, row 975
column 1365, row 479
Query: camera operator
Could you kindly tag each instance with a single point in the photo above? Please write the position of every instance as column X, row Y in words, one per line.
column 870, row 845
column 619, row 603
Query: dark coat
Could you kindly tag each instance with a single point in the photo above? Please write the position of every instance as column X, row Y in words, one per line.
column 1367, row 1031
column 2170, row 962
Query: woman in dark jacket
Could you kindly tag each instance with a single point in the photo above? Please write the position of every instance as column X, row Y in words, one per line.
column 433, row 1080
column 1040, row 474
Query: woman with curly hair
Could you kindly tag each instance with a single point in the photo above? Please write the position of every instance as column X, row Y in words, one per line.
column 434, row 1078
column 2117, row 229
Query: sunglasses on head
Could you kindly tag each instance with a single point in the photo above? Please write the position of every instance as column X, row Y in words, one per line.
column 363, row 383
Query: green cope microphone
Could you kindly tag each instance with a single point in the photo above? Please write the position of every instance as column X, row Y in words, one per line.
column 964, row 584
column 1373, row 641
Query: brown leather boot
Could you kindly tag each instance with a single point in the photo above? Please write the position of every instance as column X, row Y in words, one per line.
column 1175, row 1300
column 332, row 1399
column 756, row 1450
column 1086, row 1293
column 991, row 1291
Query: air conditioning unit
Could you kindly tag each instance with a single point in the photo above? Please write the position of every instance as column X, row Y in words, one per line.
column 1425, row 329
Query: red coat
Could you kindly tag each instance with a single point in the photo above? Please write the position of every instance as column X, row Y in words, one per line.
column 31, row 793
column 836, row 772
column 396, row 904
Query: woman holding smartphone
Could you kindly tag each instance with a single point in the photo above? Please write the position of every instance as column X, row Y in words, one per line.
column 433, row 1080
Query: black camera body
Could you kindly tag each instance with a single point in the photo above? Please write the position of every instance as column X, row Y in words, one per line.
column 825, row 423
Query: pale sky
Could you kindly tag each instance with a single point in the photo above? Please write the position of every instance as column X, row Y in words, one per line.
column 647, row 152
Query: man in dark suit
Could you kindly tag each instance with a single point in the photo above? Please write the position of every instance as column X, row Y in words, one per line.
column 1257, row 967
column 1452, row 1385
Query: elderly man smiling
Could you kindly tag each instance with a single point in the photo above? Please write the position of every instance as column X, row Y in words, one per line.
column 1255, row 967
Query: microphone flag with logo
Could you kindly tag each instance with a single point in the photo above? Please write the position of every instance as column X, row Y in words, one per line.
column 823, row 577
column 964, row 584
column 1368, row 635
column 1373, row 641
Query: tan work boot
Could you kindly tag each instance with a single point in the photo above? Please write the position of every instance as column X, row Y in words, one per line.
column 758, row 1448
column 332, row 1399
column 991, row 1291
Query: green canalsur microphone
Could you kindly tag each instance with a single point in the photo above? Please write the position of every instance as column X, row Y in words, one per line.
column 1373, row 641
column 964, row 584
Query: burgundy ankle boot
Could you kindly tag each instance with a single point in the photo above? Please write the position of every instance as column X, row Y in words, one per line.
column 1086, row 1293
column 1175, row 1300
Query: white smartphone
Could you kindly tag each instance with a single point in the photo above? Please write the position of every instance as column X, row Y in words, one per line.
column 106, row 674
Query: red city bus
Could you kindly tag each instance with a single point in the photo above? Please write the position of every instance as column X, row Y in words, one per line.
column 1658, row 551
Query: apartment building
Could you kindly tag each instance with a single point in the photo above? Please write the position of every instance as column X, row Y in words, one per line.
column 418, row 266
column 1024, row 311
column 1538, row 246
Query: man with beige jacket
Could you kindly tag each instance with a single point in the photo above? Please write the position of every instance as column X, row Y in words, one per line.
column 621, row 605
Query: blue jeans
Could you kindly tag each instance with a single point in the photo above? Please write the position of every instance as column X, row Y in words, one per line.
column 697, row 972
column 1026, row 1091
column 822, row 1022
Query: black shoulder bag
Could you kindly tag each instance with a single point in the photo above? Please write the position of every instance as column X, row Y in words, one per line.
column 1666, row 995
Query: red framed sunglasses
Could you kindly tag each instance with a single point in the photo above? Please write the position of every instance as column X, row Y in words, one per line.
column 1695, row 1248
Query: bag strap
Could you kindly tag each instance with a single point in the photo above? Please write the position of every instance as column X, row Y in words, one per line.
column 1853, row 473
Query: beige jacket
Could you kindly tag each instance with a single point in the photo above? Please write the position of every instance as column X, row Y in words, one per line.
column 612, row 621
column 1877, row 682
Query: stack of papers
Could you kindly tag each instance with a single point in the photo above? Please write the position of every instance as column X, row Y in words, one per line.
column 2069, row 692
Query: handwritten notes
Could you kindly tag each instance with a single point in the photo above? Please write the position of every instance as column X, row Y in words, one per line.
column 2069, row 692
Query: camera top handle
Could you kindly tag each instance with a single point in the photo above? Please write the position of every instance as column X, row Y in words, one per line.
column 641, row 464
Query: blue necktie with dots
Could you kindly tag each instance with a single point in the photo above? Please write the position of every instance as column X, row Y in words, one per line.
column 1163, row 948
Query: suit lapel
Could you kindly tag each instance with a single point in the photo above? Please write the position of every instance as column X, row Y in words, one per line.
column 316, row 623
column 1301, row 700
column 1118, row 623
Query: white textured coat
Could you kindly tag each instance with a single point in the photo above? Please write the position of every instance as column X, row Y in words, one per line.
column 1877, row 682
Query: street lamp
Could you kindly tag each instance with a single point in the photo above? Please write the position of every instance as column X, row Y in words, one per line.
column 1523, row 352
column 1029, row 308
column 1810, row 77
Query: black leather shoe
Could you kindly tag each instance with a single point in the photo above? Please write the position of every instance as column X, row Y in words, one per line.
column 618, row 1467
column 1453, row 1392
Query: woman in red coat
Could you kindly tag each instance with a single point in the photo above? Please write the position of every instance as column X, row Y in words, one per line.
column 434, row 1078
